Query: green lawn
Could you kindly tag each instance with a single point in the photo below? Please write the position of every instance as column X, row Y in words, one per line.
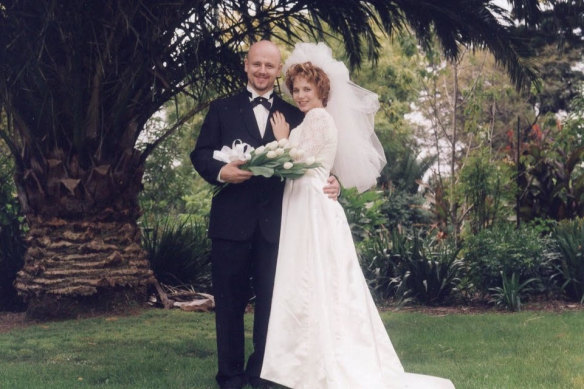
column 175, row 349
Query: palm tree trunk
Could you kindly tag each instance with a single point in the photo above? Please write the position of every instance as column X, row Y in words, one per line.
column 90, row 264
column 84, row 249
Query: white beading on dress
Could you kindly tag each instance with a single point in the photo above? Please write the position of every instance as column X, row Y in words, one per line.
column 325, row 331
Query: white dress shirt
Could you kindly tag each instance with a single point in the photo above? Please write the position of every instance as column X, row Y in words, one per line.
column 261, row 113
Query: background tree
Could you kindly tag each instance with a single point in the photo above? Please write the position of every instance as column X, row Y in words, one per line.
column 556, row 47
column 552, row 180
column 11, row 230
column 169, row 175
column 79, row 80
column 549, row 169
column 395, row 78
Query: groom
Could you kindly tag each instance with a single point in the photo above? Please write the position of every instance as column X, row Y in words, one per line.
column 244, row 224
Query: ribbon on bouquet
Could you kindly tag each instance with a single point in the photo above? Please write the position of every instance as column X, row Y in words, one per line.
column 239, row 151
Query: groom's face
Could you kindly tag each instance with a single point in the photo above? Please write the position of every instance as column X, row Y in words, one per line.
column 262, row 65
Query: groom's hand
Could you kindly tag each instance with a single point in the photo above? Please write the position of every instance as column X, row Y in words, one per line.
column 231, row 173
column 332, row 189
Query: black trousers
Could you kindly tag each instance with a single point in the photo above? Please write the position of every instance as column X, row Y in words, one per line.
column 241, row 269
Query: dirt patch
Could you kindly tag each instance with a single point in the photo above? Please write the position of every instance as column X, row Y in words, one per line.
column 10, row 320
column 14, row 320
column 556, row 306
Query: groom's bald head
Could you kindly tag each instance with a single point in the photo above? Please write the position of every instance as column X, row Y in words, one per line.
column 266, row 47
column 263, row 64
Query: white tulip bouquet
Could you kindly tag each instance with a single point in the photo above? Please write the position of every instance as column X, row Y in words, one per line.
column 278, row 158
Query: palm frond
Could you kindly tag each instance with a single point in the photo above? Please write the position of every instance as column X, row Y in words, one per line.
column 82, row 78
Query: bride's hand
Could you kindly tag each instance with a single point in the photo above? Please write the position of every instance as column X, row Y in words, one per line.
column 280, row 126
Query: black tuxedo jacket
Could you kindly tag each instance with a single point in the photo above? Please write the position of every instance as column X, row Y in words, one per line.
column 239, row 208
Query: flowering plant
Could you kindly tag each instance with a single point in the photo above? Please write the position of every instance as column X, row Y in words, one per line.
column 278, row 158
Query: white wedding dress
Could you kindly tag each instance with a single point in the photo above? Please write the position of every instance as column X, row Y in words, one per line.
column 325, row 330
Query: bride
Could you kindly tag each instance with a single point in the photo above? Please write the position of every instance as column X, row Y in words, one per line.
column 324, row 329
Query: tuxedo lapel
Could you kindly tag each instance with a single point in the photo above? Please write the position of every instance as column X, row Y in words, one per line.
column 269, row 134
column 246, row 112
column 276, row 106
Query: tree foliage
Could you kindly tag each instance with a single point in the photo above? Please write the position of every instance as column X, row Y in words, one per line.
column 555, row 47
column 551, row 177
column 11, row 230
column 80, row 79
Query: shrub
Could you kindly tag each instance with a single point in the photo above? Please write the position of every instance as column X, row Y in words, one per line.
column 11, row 261
column 510, row 293
column 569, row 238
column 410, row 268
column 179, row 251
column 404, row 209
column 378, row 264
column 428, row 271
column 488, row 188
column 11, row 237
column 507, row 250
column 363, row 212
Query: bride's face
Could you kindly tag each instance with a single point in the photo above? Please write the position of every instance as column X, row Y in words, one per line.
column 305, row 95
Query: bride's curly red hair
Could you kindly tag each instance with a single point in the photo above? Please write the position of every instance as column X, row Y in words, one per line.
column 312, row 74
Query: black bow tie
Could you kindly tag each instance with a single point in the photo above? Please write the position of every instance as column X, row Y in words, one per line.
column 263, row 101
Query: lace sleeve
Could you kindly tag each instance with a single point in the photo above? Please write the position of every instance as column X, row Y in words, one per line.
column 318, row 134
